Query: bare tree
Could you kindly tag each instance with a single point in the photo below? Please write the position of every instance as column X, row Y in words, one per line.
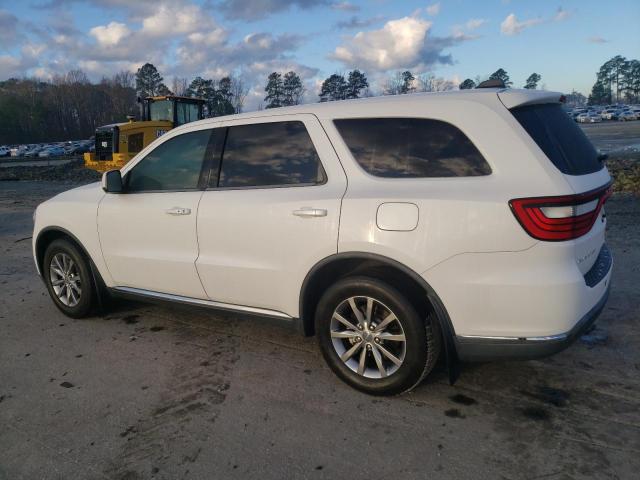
column 428, row 82
column 124, row 79
column 393, row 85
column 179, row 86
column 239, row 91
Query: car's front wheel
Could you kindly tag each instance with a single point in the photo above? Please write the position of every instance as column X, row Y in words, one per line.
column 68, row 278
column 373, row 338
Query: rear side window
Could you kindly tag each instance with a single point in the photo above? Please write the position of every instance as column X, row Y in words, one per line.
column 411, row 148
column 270, row 154
column 558, row 136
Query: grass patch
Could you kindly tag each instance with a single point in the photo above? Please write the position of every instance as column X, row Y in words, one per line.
column 625, row 170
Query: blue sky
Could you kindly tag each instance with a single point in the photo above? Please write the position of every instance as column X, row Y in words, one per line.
column 565, row 42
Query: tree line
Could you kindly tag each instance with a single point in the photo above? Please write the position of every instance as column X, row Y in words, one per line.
column 617, row 81
column 70, row 106
column 67, row 107
column 531, row 83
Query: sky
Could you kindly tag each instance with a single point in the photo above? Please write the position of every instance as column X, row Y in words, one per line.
column 564, row 41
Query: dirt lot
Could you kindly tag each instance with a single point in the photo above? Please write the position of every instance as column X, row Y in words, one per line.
column 163, row 392
column 617, row 137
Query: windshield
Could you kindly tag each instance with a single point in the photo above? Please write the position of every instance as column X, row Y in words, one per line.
column 562, row 141
column 161, row 110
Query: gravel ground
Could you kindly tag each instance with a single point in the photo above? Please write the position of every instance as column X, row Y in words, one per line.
column 72, row 172
column 146, row 391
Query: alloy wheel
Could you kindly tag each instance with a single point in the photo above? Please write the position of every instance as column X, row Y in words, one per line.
column 65, row 279
column 368, row 337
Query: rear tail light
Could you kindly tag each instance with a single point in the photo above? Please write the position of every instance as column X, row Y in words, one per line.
column 556, row 219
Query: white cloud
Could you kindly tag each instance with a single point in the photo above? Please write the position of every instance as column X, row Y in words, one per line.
column 433, row 9
column 511, row 25
column 475, row 23
column 597, row 39
column 169, row 21
column 561, row 15
column 111, row 34
column 398, row 43
column 462, row 32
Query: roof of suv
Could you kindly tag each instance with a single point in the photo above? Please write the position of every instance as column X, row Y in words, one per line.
column 510, row 97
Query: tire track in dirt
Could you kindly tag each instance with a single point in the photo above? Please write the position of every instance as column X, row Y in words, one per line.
column 165, row 441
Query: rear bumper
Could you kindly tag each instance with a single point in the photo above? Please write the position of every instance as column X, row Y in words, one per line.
column 479, row 349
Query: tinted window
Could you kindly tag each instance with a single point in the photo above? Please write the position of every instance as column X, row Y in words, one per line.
column 267, row 154
column 559, row 138
column 173, row 165
column 411, row 147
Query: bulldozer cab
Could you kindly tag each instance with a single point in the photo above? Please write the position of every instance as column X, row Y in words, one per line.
column 118, row 143
column 172, row 108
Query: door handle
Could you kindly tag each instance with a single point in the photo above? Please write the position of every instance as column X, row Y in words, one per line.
column 178, row 211
column 310, row 212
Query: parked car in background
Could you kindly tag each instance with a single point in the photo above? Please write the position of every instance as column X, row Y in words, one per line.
column 609, row 114
column 589, row 117
column 52, row 152
column 627, row 115
column 353, row 221
column 33, row 152
column 577, row 111
column 4, row 151
column 18, row 151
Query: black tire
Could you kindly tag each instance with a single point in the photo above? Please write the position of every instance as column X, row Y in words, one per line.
column 87, row 295
column 422, row 336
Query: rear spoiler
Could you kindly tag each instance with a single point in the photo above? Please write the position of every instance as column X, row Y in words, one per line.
column 512, row 97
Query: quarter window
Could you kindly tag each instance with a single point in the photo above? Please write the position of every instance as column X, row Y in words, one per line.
column 172, row 165
column 270, row 154
column 558, row 136
column 411, row 148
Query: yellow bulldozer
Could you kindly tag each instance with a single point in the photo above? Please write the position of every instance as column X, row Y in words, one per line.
column 118, row 143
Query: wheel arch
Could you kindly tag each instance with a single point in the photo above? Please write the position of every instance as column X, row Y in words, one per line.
column 48, row 235
column 341, row 265
column 51, row 233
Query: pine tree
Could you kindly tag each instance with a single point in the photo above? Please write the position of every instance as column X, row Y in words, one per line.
column 532, row 81
column 600, row 93
column 407, row 82
column 201, row 88
column 292, row 89
column 149, row 81
column 222, row 98
column 467, row 84
column 333, row 88
column 274, row 90
column 501, row 74
column 356, row 83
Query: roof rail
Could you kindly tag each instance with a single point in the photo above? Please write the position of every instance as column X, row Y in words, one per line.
column 492, row 83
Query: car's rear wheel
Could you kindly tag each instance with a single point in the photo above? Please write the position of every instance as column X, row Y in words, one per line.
column 68, row 278
column 373, row 338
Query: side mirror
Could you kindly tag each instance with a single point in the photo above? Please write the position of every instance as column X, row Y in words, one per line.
column 112, row 181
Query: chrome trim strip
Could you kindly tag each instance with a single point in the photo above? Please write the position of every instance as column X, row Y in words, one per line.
column 201, row 302
column 550, row 338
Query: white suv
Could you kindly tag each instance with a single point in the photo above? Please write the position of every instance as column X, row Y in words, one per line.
column 394, row 229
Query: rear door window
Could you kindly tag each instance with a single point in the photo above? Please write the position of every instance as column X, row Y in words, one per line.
column 270, row 154
column 558, row 136
column 411, row 148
